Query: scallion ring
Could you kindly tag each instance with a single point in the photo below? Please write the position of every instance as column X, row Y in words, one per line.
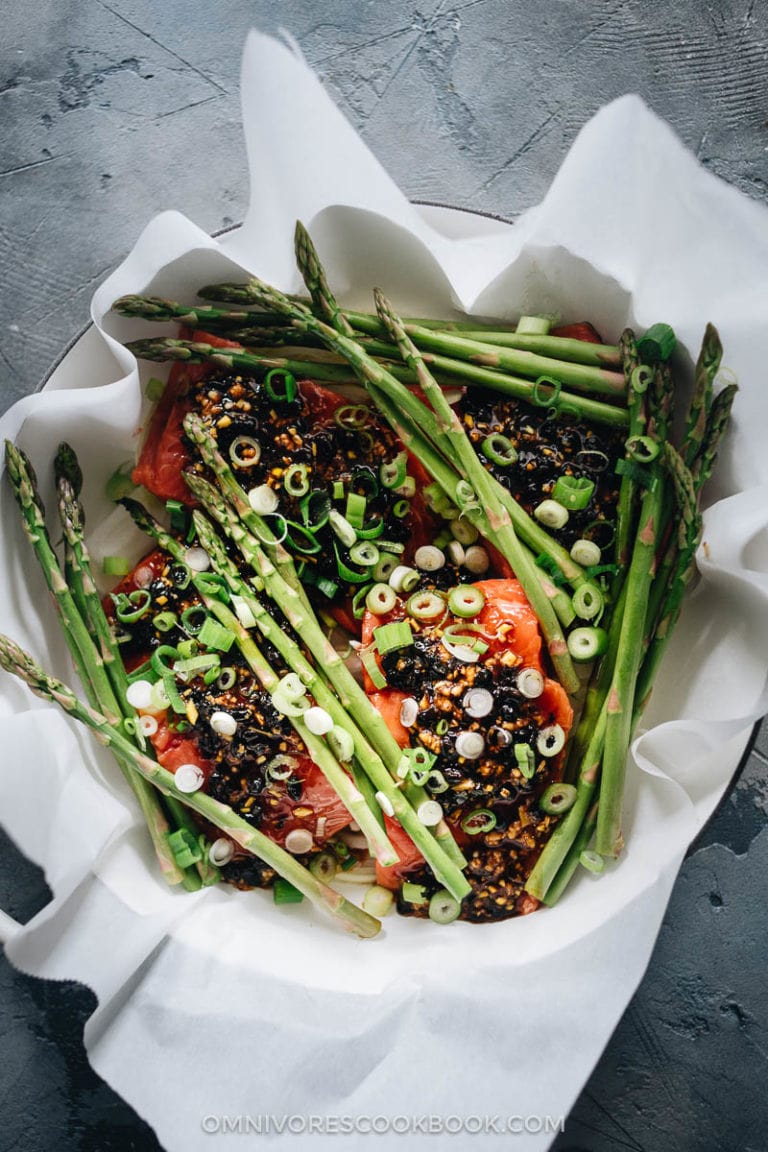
column 466, row 600
column 364, row 553
column 352, row 417
column 550, row 740
column 573, row 492
column 551, row 514
column 443, row 908
column 400, row 509
column 384, row 567
column 525, row 760
column 393, row 472
column 464, row 532
column 586, row 553
column 588, row 601
column 478, row 821
column 193, row 618
column 288, row 391
column 499, row 450
column 165, row 621
column 644, row 449
column 296, row 480
column 546, row 392
column 557, row 798
column 591, row 860
column 131, row 606
column 585, row 644
column 245, row 452
column 425, row 606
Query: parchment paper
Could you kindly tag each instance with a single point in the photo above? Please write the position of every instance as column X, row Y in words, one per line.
column 219, row 1005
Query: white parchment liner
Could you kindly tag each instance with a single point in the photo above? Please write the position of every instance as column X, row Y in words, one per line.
column 220, row 1004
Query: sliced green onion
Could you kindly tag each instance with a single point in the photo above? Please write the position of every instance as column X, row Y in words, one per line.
column 120, row 483
column 185, row 848
column 393, row 546
column 400, row 509
column 154, row 389
column 464, row 531
column 551, row 514
column 323, row 866
column 546, row 392
column 243, row 611
column 116, row 566
column 443, row 908
column 550, row 740
column 466, row 497
column 263, row 499
column 296, row 480
column 414, row 893
column 588, row 601
column 227, row 679
column 280, row 395
column 213, row 585
column 425, row 606
column 301, row 539
column 245, row 452
column 384, row 567
column 193, row 618
column 407, row 488
column 436, row 782
column 180, row 576
column 284, row 892
column 591, row 860
column 535, row 325
column 328, row 587
column 557, row 798
column 378, row 901
column 131, row 606
column 585, row 644
column 525, row 760
column 159, row 656
column 355, row 509
column 393, row 472
column 462, row 642
column 215, row 635
column 436, row 499
column 403, row 578
column 364, row 482
column 429, row 558
column 338, row 490
column 586, row 553
column 466, row 600
column 315, row 509
column 381, row 599
column 371, row 666
column 281, row 768
column 392, row 637
column 172, row 692
column 165, row 621
column 178, row 515
column 342, row 528
column 341, row 743
column 372, row 530
column 359, row 601
column 644, row 449
column 352, row 417
column 573, row 492
column 499, row 450
column 480, row 820
column 347, row 574
column 658, row 343
column 442, row 727
column 187, row 669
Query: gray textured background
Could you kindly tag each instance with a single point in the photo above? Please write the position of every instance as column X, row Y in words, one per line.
column 112, row 112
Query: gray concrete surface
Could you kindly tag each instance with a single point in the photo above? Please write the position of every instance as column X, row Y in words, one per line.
column 113, row 111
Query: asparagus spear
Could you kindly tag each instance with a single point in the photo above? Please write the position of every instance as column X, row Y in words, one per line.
column 86, row 657
column 316, row 282
column 19, row 663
